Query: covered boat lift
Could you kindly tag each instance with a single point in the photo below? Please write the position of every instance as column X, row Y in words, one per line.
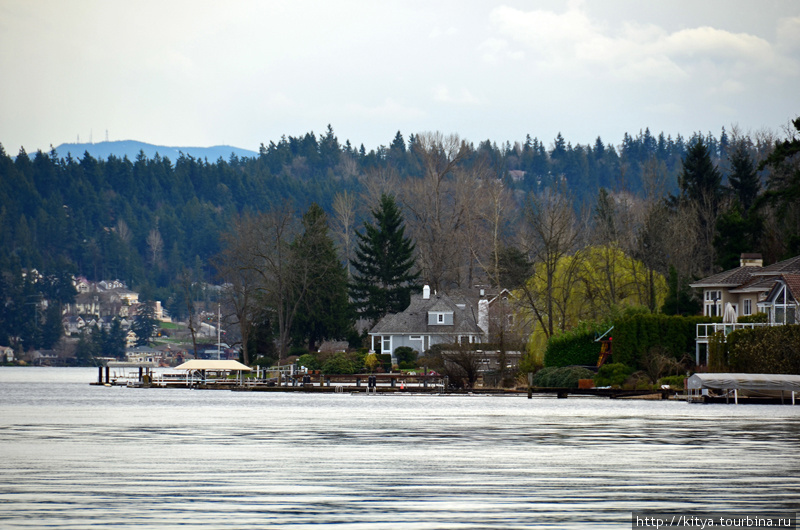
column 212, row 365
column 759, row 383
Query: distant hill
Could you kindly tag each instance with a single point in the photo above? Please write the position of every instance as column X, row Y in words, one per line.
column 131, row 149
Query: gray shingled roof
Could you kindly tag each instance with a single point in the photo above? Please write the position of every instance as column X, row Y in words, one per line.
column 730, row 278
column 415, row 318
column 756, row 284
column 787, row 266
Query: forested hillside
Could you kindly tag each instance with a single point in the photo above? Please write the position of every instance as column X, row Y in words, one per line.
column 144, row 221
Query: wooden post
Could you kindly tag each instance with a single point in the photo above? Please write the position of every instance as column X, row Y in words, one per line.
column 100, row 376
column 530, row 385
column 108, row 375
column 736, row 395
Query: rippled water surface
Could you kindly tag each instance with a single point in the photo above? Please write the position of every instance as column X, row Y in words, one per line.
column 78, row 456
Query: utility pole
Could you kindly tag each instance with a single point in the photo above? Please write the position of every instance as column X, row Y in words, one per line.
column 219, row 332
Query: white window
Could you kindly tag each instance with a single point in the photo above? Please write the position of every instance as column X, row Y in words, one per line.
column 440, row 318
column 387, row 343
column 713, row 304
column 415, row 337
column 747, row 307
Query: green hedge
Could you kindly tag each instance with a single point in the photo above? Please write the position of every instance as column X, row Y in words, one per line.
column 561, row 377
column 575, row 347
column 773, row 350
column 635, row 335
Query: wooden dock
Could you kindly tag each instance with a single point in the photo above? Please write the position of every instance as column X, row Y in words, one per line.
column 392, row 383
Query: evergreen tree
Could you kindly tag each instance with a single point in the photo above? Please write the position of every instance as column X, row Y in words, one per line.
column 744, row 180
column 384, row 265
column 736, row 233
column 145, row 324
column 783, row 190
column 699, row 180
column 679, row 300
column 324, row 311
column 114, row 343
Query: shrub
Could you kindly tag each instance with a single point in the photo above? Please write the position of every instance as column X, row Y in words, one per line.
column 561, row 377
column 773, row 350
column 612, row 374
column 638, row 381
column 674, row 381
column 339, row 363
column 406, row 355
column 310, row 361
column 757, row 318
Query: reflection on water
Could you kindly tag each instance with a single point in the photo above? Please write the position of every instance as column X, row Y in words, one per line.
column 75, row 455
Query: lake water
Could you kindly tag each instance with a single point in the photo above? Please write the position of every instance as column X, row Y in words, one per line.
column 79, row 456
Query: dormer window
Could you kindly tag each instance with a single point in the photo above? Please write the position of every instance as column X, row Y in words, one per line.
column 440, row 318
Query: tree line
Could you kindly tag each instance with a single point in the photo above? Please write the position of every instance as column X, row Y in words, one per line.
column 488, row 214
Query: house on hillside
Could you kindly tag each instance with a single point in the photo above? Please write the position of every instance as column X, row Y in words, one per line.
column 428, row 320
column 748, row 289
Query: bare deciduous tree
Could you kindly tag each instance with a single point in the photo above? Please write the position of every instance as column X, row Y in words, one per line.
column 555, row 232
column 436, row 215
column 344, row 219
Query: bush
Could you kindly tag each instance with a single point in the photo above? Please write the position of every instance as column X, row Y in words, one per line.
column 755, row 318
column 674, row 381
column 406, row 356
column 612, row 374
column 768, row 350
column 561, row 377
column 310, row 361
column 339, row 363
column 638, row 381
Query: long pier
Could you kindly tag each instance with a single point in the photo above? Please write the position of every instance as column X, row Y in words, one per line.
column 392, row 383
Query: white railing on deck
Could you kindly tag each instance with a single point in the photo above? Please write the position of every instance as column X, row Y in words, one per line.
column 704, row 331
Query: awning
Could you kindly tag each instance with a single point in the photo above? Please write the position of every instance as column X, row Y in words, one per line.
column 745, row 382
column 210, row 364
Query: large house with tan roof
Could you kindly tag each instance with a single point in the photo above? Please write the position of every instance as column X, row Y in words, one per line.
column 748, row 289
column 752, row 288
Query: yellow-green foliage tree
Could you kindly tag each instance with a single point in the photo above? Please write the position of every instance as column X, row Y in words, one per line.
column 595, row 284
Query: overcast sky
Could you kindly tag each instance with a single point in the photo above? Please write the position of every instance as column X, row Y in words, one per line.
column 192, row 73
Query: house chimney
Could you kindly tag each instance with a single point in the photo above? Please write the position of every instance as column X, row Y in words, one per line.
column 751, row 260
column 426, row 292
column 483, row 316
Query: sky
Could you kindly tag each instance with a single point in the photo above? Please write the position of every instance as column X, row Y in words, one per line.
column 243, row 73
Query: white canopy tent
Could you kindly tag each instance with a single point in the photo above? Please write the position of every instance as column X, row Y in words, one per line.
column 213, row 364
column 751, row 382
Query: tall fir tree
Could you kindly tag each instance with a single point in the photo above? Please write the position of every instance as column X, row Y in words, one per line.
column 385, row 265
column 145, row 324
column 324, row 311
column 743, row 179
column 699, row 180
